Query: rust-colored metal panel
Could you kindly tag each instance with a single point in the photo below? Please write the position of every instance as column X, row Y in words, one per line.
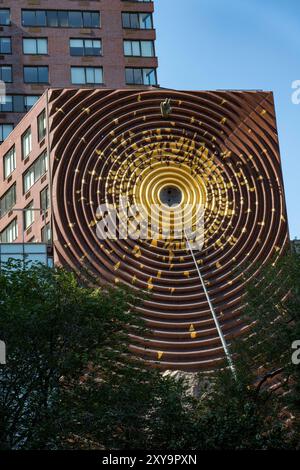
column 220, row 148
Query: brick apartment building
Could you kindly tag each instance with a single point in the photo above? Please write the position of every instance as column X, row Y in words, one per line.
column 100, row 43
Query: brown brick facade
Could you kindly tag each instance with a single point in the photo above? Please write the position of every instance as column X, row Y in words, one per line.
column 59, row 59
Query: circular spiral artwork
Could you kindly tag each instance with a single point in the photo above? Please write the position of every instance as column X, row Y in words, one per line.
column 216, row 150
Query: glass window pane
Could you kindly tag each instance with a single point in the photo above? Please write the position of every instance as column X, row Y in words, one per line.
column 43, row 75
column 30, row 74
column 29, row 46
column 97, row 47
column 90, row 75
column 63, row 19
column 147, row 48
column 41, row 19
column 127, row 48
column 78, row 75
column 5, row 45
column 138, row 76
column 4, row 17
column 7, row 103
column 5, row 130
column 75, row 19
column 76, row 47
column 28, row 18
column 42, row 46
column 52, row 19
column 18, row 104
column 149, row 77
column 41, row 126
column 6, row 73
column 146, row 21
column 136, row 48
column 98, row 76
column 26, row 143
column 95, row 23
column 126, row 20
column 129, row 76
column 134, row 21
column 87, row 19
column 29, row 101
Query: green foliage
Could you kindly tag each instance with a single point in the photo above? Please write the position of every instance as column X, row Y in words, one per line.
column 70, row 381
column 54, row 328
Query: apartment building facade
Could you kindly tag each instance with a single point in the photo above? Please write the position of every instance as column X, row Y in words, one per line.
column 96, row 43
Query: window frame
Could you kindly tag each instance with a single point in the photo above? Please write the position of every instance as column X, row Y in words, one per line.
column 130, row 17
column 13, row 188
column 142, row 71
column 139, row 41
column 32, row 170
column 25, row 135
column 10, row 67
column 12, row 151
column 62, row 17
column 84, row 47
column 36, row 40
column 9, row 17
column 10, row 45
column 15, row 228
column 38, row 82
column 85, row 68
column 2, row 125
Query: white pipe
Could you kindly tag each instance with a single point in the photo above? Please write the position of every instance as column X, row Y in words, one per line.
column 219, row 330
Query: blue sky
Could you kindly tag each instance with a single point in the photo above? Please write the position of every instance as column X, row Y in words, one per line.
column 238, row 44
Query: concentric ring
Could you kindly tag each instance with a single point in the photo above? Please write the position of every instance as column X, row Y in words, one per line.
column 221, row 150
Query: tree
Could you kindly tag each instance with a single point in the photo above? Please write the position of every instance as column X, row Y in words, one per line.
column 69, row 381
column 255, row 410
column 54, row 329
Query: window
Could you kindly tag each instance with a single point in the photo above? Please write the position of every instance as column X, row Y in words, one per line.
column 139, row 48
column 17, row 103
column 5, row 130
column 4, row 17
column 10, row 233
column 35, row 46
column 86, row 75
column 137, row 20
column 135, row 76
column 36, row 74
column 6, row 73
column 46, row 233
column 8, row 201
column 9, row 161
column 37, row 169
column 29, row 101
column 85, row 47
column 61, row 18
column 41, row 124
column 45, row 199
column 5, row 45
column 26, row 143
column 28, row 216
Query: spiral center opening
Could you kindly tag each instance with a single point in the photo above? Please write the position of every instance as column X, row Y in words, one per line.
column 170, row 196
